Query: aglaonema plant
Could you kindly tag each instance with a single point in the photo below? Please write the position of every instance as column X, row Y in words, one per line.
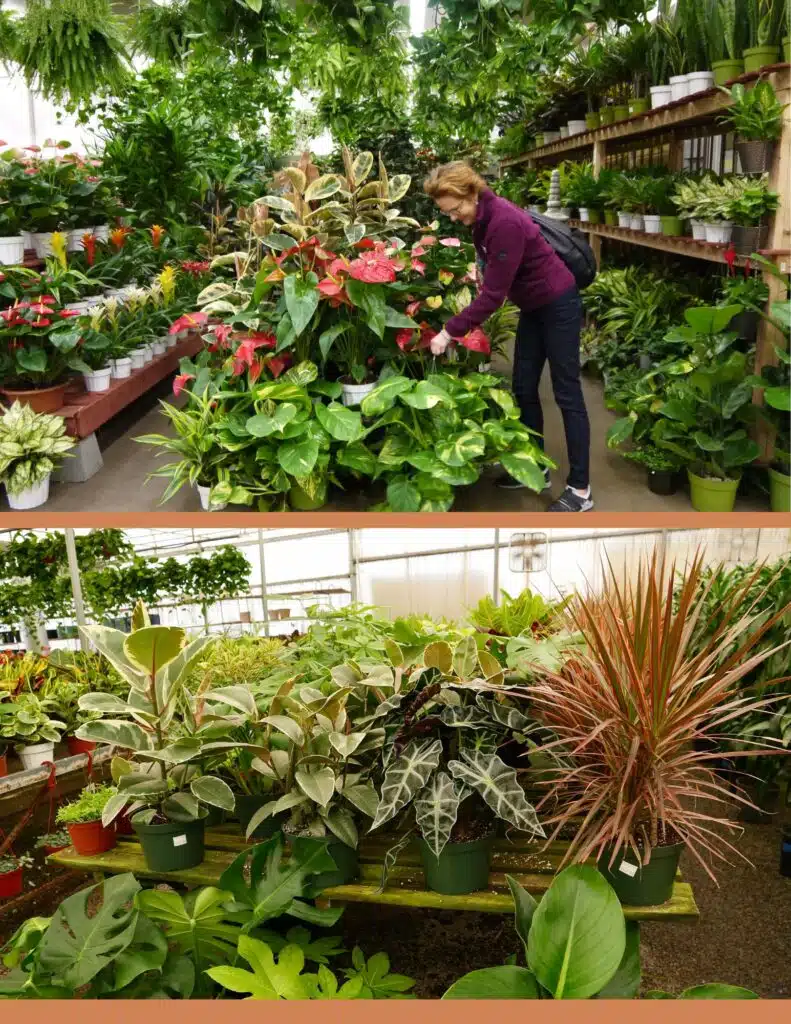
column 159, row 722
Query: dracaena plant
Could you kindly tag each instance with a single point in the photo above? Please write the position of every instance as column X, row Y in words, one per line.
column 443, row 730
column 160, row 722
column 32, row 445
column 628, row 711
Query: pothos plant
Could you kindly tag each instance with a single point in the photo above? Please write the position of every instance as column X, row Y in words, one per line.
column 160, row 722
column 443, row 731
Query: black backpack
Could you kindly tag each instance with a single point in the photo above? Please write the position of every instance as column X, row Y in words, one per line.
column 571, row 246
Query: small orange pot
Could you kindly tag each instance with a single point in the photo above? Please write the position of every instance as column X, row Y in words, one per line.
column 39, row 399
column 79, row 746
column 3, row 765
column 10, row 884
column 89, row 837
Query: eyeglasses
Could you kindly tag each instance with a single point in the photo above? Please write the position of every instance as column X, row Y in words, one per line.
column 454, row 209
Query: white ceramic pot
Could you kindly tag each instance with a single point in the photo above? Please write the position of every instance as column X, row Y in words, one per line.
column 170, row 341
column 30, row 498
column 74, row 243
column 564, row 132
column 99, row 380
column 624, row 219
column 698, row 230
column 636, row 222
column 27, row 239
column 121, row 368
column 149, row 350
column 42, row 243
column 577, row 127
column 12, row 250
column 661, row 95
column 653, row 224
column 700, row 81
column 719, row 232
column 549, row 137
column 36, row 755
column 158, row 348
column 584, row 214
column 203, row 493
column 102, row 232
column 353, row 394
column 679, row 87
column 138, row 357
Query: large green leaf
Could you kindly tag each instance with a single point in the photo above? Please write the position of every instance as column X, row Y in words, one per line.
column 710, row 319
column 213, row 791
column 263, row 426
column 524, row 909
column 384, row 395
column 625, row 983
column 79, row 943
column 151, row 648
column 506, row 982
column 426, row 396
column 299, row 457
column 302, row 298
column 318, row 785
column 269, row 978
column 458, row 451
column 403, row 495
column 499, row 786
column 436, row 808
column 341, row 423
column 718, row 991
column 406, row 777
column 578, row 937
column 523, row 467
column 110, row 643
column 327, row 338
column 465, row 657
column 123, row 734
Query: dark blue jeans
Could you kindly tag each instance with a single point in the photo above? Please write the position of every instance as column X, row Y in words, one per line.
column 552, row 334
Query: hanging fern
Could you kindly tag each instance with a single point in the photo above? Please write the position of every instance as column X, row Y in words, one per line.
column 71, row 49
column 165, row 34
column 9, row 38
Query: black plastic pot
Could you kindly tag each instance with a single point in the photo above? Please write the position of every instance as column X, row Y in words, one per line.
column 747, row 240
column 172, row 846
column 246, row 806
column 460, row 868
column 214, row 816
column 347, row 863
column 638, row 885
column 662, row 481
column 745, row 324
column 754, row 156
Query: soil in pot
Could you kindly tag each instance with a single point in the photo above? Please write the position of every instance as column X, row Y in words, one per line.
column 89, row 837
column 463, row 865
column 172, row 845
column 48, row 399
column 10, row 884
column 779, row 493
column 709, row 494
column 662, row 482
column 644, row 885
column 246, row 806
column 79, row 746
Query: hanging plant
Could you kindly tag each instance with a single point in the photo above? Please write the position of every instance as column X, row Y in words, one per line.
column 163, row 33
column 9, row 37
column 71, row 49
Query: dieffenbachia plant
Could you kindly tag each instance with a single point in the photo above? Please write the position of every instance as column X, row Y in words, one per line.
column 159, row 722
column 443, row 731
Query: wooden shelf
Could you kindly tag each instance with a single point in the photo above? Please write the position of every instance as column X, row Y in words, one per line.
column 685, row 113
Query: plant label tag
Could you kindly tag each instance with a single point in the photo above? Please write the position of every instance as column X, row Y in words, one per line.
column 182, row 841
column 626, row 868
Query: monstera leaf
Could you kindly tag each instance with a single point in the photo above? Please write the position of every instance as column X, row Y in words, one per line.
column 499, row 787
column 406, row 777
column 436, row 808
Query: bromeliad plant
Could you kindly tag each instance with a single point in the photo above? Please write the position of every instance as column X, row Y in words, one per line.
column 629, row 712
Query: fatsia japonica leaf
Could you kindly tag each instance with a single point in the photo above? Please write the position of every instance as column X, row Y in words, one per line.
column 269, row 978
column 499, row 786
column 406, row 777
column 436, row 808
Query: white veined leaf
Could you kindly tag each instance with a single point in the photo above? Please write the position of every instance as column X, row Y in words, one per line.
column 362, row 166
column 354, row 233
column 398, row 186
column 436, row 808
column 278, row 203
column 322, row 188
column 408, row 774
column 499, row 786
column 213, row 791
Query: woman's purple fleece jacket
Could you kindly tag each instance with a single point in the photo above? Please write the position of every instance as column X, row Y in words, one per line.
column 520, row 265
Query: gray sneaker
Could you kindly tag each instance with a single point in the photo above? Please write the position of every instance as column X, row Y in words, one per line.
column 571, row 502
column 507, row 483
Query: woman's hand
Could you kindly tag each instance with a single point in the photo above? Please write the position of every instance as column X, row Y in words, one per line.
column 440, row 342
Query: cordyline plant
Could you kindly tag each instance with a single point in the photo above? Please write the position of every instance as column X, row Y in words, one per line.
column 629, row 710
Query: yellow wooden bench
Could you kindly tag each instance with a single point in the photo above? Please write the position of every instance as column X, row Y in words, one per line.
column 522, row 858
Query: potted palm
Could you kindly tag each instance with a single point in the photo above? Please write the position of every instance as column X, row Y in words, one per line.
column 645, row 683
column 31, row 447
column 756, row 116
column 83, row 820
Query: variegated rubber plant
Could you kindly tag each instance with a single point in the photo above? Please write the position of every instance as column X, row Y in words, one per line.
column 160, row 722
column 443, row 731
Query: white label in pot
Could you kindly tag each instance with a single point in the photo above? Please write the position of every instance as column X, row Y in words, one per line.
column 182, row 841
column 628, row 869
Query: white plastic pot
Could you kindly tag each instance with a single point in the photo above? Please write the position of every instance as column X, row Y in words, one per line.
column 577, row 127
column 36, row 754
column 99, row 380
column 203, row 494
column 624, row 219
column 661, row 95
column 30, row 498
column 121, row 368
column 353, row 394
column 653, row 224
column 719, row 232
column 679, row 87
column 149, row 350
column 170, row 340
column 102, row 232
column 699, row 81
column 698, row 230
column 27, row 239
column 42, row 243
column 74, row 243
column 158, row 348
column 636, row 222
column 584, row 214
column 551, row 136
column 12, row 250
column 564, row 132
column 138, row 357
column 484, row 367
column 82, row 306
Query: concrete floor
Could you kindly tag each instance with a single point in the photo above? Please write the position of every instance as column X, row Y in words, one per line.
column 618, row 485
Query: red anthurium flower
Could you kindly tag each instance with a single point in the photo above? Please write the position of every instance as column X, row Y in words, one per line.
column 188, row 321
column 244, row 356
column 428, row 240
column 50, row 300
column 30, row 171
column 418, row 267
column 33, row 149
column 330, row 288
column 221, row 332
column 412, row 308
column 262, row 339
column 338, row 266
column 365, row 243
column 404, row 338
column 40, row 308
column 255, row 371
column 11, row 315
column 418, row 250
column 476, row 341
column 453, row 243
column 277, row 364
column 42, row 322
column 427, row 332
column 66, row 313
column 181, row 382
column 373, row 268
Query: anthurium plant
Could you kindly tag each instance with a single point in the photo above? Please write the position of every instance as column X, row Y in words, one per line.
column 38, row 345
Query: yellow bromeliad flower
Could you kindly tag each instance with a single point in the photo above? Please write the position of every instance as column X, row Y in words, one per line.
column 167, row 282
column 58, row 243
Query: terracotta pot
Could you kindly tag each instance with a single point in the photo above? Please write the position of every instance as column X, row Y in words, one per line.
column 10, row 884
column 3, row 766
column 39, row 399
column 49, row 850
column 89, row 837
column 79, row 746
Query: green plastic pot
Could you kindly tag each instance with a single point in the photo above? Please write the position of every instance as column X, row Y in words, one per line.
column 460, row 868
column 592, row 121
column 174, row 846
column 757, row 57
column 621, row 112
column 594, row 217
column 640, row 106
column 651, row 884
column 611, row 218
column 779, row 491
column 606, row 115
column 246, row 806
column 346, row 860
column 710, row 495
column 672, row 226
column 727, row 70
column 300, row 501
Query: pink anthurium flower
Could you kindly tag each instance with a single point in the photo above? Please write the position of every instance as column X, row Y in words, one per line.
column 181, row 382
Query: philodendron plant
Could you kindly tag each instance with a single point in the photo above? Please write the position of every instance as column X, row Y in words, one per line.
column 160, row 722
column 443, row 731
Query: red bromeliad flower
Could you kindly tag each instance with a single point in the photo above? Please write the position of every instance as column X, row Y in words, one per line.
column 180, row 383
column 89, row 245
column 118, row 237
column 157, row 233
column 196, row 267
column 187, row 322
